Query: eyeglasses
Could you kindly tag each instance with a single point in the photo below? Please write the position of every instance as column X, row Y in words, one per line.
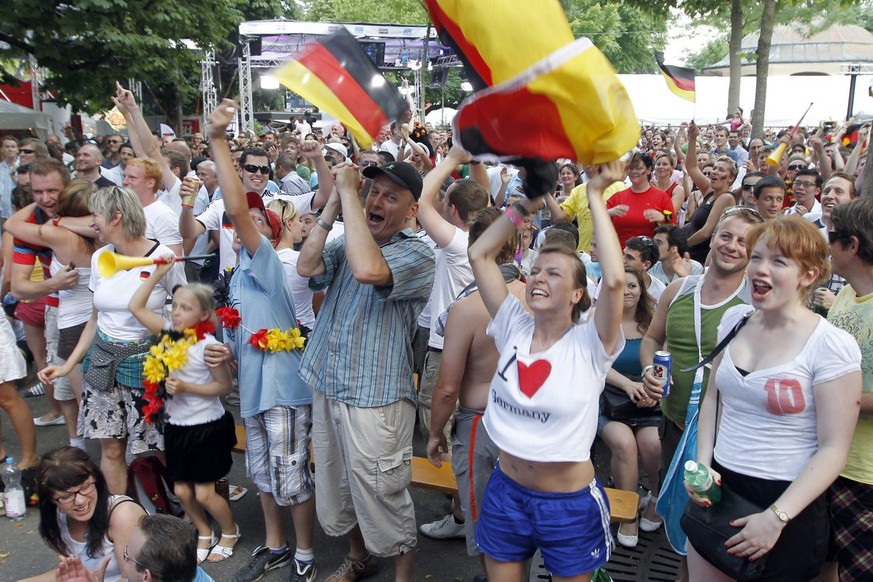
column 113, row 141
column 70, row 496
column 748, row 187
column 796, row 166
column 252, row 169
column 747, row 213
column 25, row 151
column 368, row 163
column 127, row 557
column 804, row 183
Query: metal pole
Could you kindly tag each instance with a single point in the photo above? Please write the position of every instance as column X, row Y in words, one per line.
column 853, row 79
column 420, row 74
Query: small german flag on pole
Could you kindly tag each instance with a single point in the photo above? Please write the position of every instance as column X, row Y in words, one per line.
column 338, row 77
column 679, row 79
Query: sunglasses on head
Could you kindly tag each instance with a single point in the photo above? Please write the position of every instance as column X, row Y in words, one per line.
column 646, row 241
column 252, row 169
column 749, row 213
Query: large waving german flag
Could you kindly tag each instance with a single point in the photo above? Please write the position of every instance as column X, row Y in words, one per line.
column 547, row 95
column 679, row 79
column 497, row 39
column 338, row 77
column 569, row 105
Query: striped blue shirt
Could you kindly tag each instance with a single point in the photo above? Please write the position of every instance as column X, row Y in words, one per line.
column 360, row 351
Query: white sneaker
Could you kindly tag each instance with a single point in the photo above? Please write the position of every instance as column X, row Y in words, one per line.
column 443, row 529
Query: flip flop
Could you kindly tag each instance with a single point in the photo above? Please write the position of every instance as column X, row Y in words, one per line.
column 224, row 552
column 203, row 553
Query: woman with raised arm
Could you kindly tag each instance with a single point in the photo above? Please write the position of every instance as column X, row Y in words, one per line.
column 716, row 198
column 115, row 342
column 544, row 399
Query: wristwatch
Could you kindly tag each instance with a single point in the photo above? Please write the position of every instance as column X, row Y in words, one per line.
column 783, row 516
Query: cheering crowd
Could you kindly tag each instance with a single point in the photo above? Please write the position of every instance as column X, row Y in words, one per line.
column 334, row 298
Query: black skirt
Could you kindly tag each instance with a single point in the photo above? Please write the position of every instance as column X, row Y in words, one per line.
column 200, row 453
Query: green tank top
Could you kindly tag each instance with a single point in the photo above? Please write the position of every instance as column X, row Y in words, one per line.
column 681, row 342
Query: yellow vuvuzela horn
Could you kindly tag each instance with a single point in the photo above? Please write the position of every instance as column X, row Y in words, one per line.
column 110, row 263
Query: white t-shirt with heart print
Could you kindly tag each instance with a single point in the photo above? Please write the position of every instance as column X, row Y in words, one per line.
column 544, row 406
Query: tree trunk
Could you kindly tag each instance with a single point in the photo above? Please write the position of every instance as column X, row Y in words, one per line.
column 735, row 46
column 179, row 114
column 763, row 66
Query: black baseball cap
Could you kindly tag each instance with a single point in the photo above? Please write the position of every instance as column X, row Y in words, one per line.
column 401, row 173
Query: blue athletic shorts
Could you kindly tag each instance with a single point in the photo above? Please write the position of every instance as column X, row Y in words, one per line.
column 570, row 529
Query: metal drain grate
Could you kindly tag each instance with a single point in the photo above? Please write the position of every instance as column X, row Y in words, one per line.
column 652, row 560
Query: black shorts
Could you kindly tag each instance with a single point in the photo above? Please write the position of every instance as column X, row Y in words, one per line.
column 68, row 338
column 802, row 547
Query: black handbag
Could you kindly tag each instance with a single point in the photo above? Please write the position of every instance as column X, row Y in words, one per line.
column 708, row 528
column 615, row 404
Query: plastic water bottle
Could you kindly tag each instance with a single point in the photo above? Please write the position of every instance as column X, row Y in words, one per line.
column 13, row 496
column 700, row 481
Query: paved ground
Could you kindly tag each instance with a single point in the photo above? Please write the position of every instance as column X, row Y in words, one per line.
column 23, row 554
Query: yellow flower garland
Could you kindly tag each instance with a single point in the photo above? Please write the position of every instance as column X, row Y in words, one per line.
column 167, row 356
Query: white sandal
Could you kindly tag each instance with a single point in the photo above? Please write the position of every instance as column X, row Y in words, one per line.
column 223, row 551
column 203, row 553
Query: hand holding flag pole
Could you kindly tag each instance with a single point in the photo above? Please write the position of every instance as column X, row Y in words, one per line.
column 773, row 159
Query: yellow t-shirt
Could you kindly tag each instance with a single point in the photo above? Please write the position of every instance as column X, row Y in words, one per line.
column 855, row 315
column 577, row 205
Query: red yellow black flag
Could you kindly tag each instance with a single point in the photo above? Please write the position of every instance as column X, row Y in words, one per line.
column 679, row 79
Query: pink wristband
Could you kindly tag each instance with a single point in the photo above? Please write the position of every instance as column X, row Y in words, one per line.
column 514, row 218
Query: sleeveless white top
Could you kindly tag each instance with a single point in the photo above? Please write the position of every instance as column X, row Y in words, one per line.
column 76, row 548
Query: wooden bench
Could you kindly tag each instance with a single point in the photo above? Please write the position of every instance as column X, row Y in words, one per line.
column 622, row 504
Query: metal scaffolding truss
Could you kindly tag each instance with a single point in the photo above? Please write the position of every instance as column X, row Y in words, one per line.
column 247, row 117
column 207, row 85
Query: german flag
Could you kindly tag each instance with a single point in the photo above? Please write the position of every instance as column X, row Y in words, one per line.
column 338, row 77
column 497, row 39
column 679, row 79
column 569, row 105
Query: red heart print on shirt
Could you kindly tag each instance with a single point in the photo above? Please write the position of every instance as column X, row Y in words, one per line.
column 531, row 378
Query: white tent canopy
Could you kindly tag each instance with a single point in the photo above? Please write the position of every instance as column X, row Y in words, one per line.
column 787, row 99
column 13, row 116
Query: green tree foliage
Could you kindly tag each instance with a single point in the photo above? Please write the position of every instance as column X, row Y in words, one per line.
column 628, row 35
column 712, row 52
column 84, row 47
column 810, row 16
column 380, row 11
